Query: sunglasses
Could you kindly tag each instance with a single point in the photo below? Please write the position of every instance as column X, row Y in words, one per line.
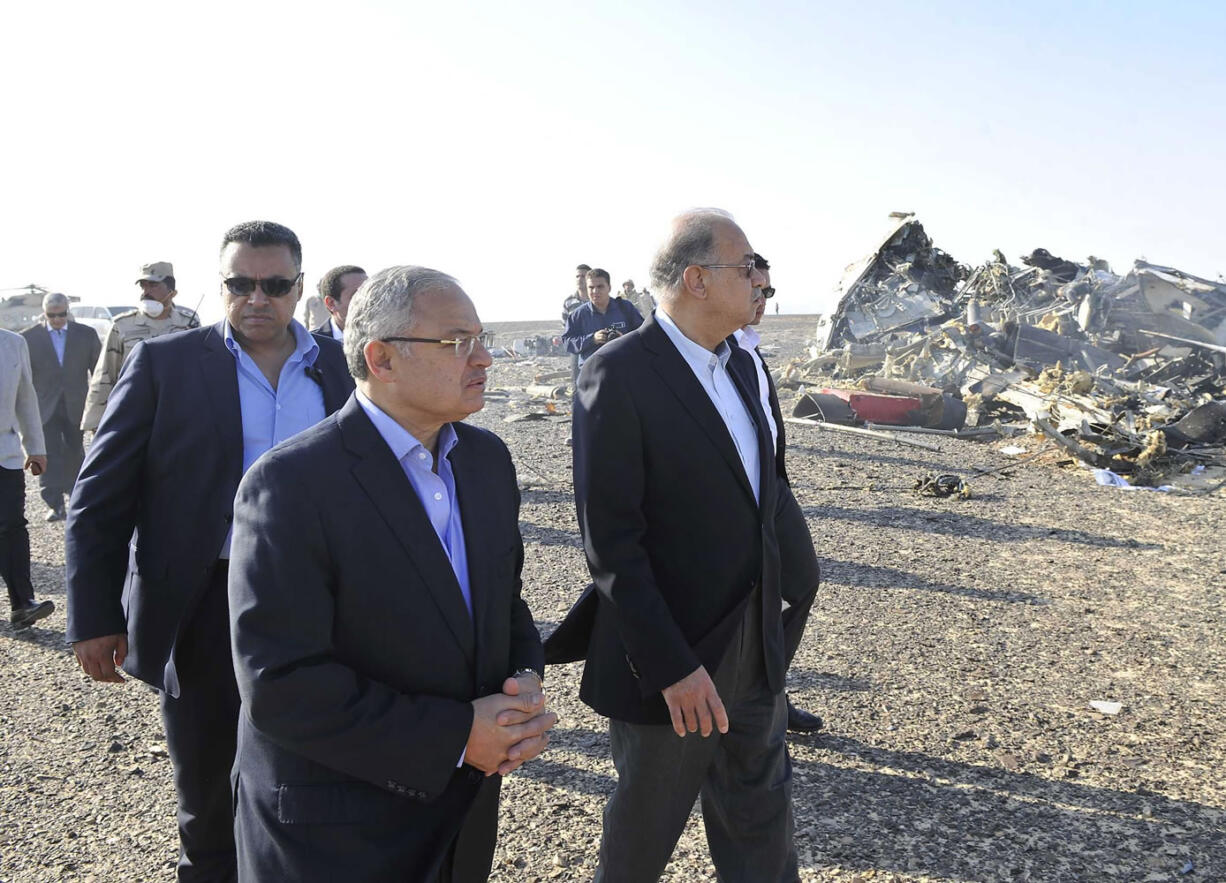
column 62, row 315
column 768, row 292
column 274, row 286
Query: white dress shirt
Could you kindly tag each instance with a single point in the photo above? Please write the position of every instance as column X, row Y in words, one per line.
column 711, row 369
column 748, row 339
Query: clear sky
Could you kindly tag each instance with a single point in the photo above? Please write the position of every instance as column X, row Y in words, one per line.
column 504, row 143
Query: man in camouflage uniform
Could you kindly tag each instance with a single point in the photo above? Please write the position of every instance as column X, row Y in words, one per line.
column 157, row 283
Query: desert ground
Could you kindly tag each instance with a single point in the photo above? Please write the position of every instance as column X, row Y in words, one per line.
column 954, row 651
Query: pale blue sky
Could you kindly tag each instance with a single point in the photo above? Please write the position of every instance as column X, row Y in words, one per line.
column 504, row 143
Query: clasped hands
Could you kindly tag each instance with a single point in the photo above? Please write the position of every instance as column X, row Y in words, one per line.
column 509, row 728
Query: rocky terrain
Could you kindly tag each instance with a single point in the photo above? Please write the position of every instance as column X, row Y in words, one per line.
column 954, row 652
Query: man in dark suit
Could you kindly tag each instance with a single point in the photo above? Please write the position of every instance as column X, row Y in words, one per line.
column 62, row 355
column 677, row 497
column 189, row 414
column 378, row 669
column 800, row 574
column 337, row 287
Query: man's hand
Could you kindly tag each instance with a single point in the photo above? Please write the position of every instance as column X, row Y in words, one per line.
column 521, row 752
column 693, row 702
column 100, row 658
column 601, row 336
column 36, row 463
column 490, row 744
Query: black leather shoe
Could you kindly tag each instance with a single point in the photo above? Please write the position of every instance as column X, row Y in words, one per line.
column 801, row 721
column 24, row 617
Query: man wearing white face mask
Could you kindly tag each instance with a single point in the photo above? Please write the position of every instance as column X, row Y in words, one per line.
column 156, row 315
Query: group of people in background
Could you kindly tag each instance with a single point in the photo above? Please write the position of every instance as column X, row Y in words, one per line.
column 293, row 535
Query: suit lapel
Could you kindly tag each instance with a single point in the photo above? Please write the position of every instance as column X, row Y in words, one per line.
column 745, row 379
column 776, row 411
column 677, row 375
column 470, row 477
column 392, row 494
column 335, row 385
column 219, row 376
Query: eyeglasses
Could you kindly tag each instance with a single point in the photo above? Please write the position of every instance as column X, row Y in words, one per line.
column 464, row 346
column 748, row 266
column 767, row 292
column 273, row 286
column 63, row 315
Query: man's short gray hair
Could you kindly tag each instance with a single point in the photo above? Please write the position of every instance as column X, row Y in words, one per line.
column 383, row 307
column 692, row 241
column 54, row 299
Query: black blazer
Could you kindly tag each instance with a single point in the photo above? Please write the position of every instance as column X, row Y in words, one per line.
column 70, row 381
column 357, row 659
column 799, row 572
column 325, row 331
column 675, row 541
column 165, row 463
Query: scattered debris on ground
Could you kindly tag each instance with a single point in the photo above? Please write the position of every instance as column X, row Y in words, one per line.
column 1127, row 373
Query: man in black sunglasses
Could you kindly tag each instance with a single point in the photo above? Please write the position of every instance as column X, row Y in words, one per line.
column 191, row 412
column 799, row 573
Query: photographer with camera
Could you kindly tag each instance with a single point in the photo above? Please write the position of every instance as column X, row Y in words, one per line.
column 600, row 320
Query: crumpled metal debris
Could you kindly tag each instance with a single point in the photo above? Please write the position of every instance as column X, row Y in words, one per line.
column 932, row 485
column 1112, row 363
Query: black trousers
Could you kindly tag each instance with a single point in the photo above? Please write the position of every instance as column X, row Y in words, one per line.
column 14, row 538
column 65, row 452
column 744, row 778
column 201, row 734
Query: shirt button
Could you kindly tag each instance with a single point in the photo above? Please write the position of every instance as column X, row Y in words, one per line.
column 278, row 407
column 438, row 496
column 421, row 456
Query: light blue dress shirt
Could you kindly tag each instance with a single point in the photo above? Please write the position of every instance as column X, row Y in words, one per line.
column 58, row 337
column 435, row 490
column 270, row 416
column 711, row 369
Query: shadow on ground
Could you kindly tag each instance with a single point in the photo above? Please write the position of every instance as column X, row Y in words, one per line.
column 965, row 525
column 918, row 814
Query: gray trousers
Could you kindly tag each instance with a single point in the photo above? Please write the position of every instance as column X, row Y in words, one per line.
column 744, row 778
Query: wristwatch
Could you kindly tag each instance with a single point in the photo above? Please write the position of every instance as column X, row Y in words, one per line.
column 530, row 671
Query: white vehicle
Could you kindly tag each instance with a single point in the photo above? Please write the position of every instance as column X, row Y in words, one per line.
column 98, row 318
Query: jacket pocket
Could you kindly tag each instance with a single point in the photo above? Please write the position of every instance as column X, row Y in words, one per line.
column 336, row 803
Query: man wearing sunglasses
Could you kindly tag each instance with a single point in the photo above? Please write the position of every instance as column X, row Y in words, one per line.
column 62, row 354
column 799, row 574
column 376, row 669
column 190, row 413
column 677, row 493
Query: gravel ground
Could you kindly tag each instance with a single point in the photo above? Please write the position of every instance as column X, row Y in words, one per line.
column 953, row 651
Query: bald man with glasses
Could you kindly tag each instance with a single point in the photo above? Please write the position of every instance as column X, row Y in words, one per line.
column 190, row 414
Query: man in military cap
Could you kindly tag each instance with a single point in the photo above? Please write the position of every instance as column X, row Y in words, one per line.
column 157, row 315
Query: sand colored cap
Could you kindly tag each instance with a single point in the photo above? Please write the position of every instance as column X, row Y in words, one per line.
column 156, row 272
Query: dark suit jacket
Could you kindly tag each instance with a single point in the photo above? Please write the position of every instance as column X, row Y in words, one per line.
column 325, row 331
column 799, row 571
column 357, row 660
column 165, row 462
column 674, row 539
column 70, row 381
